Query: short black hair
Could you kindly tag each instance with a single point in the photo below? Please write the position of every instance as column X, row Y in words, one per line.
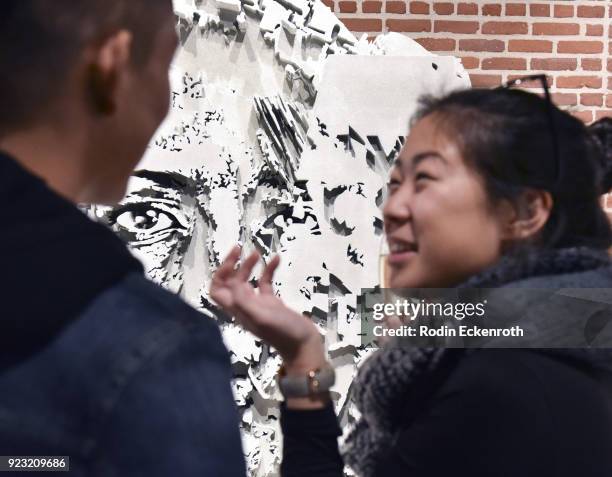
column 41, row 40
column 505, row 135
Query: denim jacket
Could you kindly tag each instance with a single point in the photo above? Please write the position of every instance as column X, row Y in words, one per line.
column 138, row 385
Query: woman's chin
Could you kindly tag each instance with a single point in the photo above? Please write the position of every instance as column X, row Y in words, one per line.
column 400, row 280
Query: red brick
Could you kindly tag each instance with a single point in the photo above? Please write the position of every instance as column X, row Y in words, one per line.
column 516, row 9
column 586, row 11
column 580, row 47
column 594, row 30
column 437, row 44
column 579, row 82
column 556, row 29
column 467, row 9
column 564, row 11
column 470, row 62
column 347, row 7
column 395, row 7
column 531, row 46
column 370, row 6
column 492, row 9
column 485, row 81
column 536, row 84
column 420, row 8
column 539, row 10
column 363, row 24
column 554, row 64
column 504, row 28
column 329, row 3
column 444, row 8
column 591, row 99
column 455, row 26
column 609, row 100
column 408, row 25
column 565, row 99
column 496, row 46
column 603, row 114
column 591, row 64
column 584, row 116
column 504, row 64
column 610, row 65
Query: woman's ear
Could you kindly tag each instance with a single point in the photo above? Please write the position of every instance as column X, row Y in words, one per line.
column 108, row 63
column 527, row 216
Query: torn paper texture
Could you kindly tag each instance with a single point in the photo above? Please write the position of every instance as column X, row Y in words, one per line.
column 282, row 130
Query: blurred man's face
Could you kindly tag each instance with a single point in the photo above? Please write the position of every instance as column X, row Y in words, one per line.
column 142, row 104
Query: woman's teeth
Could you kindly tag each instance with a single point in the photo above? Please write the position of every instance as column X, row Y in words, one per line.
column 401, row 248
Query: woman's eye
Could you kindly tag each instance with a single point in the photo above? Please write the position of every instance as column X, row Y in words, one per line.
column 393, row 184
column 421, row 175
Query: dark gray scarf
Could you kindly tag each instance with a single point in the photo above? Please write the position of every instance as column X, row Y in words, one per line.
column 397, row 380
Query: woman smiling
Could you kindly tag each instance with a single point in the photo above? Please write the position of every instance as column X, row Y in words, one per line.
column 492, row 189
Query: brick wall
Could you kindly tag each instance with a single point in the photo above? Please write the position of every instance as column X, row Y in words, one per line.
column 497, row 40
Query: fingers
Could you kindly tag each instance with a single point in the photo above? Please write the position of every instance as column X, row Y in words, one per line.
column 226, row 269
column 218, row 288
column 244, row 272
column 249, row 312
column 265, row 281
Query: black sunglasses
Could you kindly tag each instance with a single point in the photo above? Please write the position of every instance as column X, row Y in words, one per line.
column 543, row 79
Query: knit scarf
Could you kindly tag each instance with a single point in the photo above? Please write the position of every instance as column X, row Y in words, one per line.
column 394, row 383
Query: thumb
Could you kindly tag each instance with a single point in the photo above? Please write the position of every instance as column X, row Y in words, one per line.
column 223, row 297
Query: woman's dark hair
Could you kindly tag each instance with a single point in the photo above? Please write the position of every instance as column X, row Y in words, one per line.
column 508, row 136
column 602, row 130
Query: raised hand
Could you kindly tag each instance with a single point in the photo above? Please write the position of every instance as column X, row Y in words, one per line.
column 264, row 314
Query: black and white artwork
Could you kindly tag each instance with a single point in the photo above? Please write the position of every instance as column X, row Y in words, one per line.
column 282, row 129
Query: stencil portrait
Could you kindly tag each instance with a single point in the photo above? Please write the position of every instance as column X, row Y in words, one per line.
column 276, row 140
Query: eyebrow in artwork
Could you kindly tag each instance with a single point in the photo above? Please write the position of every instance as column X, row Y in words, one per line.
column 166, row 186
column 166, row 179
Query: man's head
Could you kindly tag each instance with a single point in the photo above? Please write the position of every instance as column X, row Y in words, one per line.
column 97, row 69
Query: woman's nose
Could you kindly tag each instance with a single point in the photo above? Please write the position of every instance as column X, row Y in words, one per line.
column 397, row 207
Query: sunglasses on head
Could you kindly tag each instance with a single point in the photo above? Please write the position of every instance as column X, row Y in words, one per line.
column 543, row 80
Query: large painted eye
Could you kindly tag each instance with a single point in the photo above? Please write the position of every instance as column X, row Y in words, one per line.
column 151, row 221
column 145, row 223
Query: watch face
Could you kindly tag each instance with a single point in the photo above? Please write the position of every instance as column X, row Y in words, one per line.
column 312, row 383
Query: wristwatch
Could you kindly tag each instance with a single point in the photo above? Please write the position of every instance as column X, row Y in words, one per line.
column 316, row 381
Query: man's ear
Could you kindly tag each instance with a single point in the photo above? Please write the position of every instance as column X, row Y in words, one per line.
column 107, row 66
column 527, row 217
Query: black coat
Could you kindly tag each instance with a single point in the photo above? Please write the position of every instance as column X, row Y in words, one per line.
column 497, row 412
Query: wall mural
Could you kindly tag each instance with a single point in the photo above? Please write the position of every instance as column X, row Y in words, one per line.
column 282, row 129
